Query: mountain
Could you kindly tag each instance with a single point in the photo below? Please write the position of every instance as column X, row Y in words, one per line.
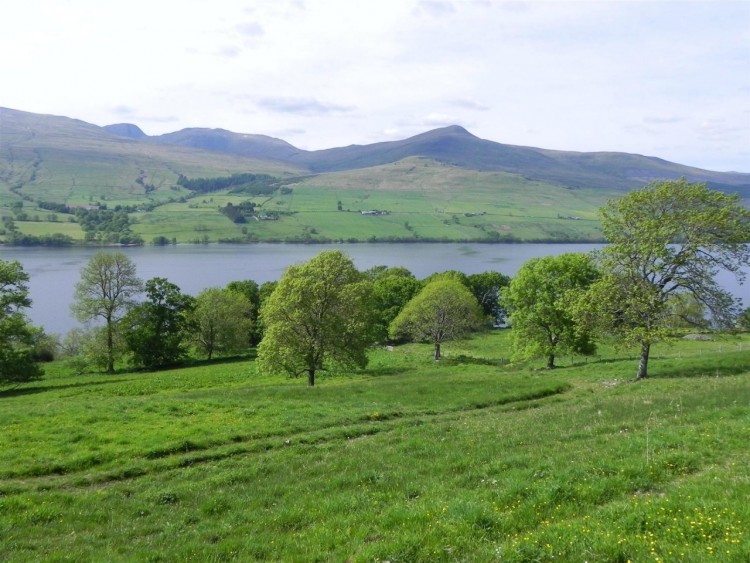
column 455, row 146
column 218, row 151
column 125, row 130
column 442, row 185
column 221, row 140
column 53, row 158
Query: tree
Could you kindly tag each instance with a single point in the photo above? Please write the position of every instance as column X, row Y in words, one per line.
column 87, row 348
column 540, row 299
column 264, row 293
column 685, row 311
column 220, row 321
column 17, row 336
column 743, row 320
column 106, row 291
column 455, row 275
column 320, row 313
column 250, row 289
column 486, row 288
column 666, row 239
column 155, row 331
column 444, row 310
column 392, row 289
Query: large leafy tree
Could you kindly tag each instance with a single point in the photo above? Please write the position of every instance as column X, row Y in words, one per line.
column 17, row 336
column 392, row 289
column 155, row 331
column 106, row 291
column 486, row 287
column 220, row 321
column 251, row 290
column 667, row 239
column 319, row 313
column 444, row 310
column 541, row 299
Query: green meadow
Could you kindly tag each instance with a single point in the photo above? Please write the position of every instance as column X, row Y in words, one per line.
column 420, row 205
column 469, row 459
column 423, row 200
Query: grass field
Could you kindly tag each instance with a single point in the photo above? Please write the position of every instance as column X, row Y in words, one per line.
column 471, row 459
column 420, row 205
column 425, row 200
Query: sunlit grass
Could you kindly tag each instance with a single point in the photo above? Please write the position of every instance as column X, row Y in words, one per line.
column 471, row 458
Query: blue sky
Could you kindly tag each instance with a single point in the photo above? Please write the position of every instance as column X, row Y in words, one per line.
column 667, row 78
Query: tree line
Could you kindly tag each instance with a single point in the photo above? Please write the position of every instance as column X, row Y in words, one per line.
column 667, row 243
column 253, row 184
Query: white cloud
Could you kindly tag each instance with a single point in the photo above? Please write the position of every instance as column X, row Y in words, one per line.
column 301, row 106
column 662, row 119
column 250, row 29
column 435, row 8
column 663, row 78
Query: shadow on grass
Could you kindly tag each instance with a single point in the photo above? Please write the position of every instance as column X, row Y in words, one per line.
column 20, row 391
column 216, row 361
column 384, row 371
column 463, row 359
column 701, row 370
column 593, row 360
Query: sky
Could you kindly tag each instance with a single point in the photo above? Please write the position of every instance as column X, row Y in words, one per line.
column 666, row 78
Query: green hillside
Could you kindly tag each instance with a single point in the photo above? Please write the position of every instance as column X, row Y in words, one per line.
column 443, row 185
column 418, row 200
column 468, row 459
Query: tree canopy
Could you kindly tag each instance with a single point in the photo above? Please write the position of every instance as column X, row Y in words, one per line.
column 17, row 336
column 486, row 287
column 669, row 238
column 319, row 313
column 220, row 321
column 743, row 320
column 156, row 330
column 444, row 310
column 540, row 299
column 251, row 290
column 393, row 288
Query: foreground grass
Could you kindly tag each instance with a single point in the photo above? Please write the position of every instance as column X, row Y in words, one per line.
column 408, row 461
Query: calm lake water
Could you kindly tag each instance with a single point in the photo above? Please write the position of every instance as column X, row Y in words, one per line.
column 54, row 272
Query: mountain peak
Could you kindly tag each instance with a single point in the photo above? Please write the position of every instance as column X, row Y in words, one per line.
column 125, row 130
column 456, row 129
column 453, row 130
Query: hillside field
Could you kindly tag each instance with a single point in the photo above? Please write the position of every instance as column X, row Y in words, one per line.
column 419, row 196
column 444, row 185
column 469, row 459
column 419, row 206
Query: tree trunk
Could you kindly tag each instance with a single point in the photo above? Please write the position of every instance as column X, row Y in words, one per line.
column 110, row 348
column 551, row 361
column 643, row 363
column 437, row 351
column 311, row 377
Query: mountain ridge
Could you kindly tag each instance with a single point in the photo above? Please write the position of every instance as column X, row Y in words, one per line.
column 457, row 146
column 453, row 145
column 440, row 185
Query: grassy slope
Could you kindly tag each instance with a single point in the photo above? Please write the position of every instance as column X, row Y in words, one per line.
column 421, row 197
column 60, row 160
column 431, row 198
column 434, row 199
column 44, row 158
column 406, row 461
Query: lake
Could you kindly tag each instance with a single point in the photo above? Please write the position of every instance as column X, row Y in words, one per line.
column 55, row 271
